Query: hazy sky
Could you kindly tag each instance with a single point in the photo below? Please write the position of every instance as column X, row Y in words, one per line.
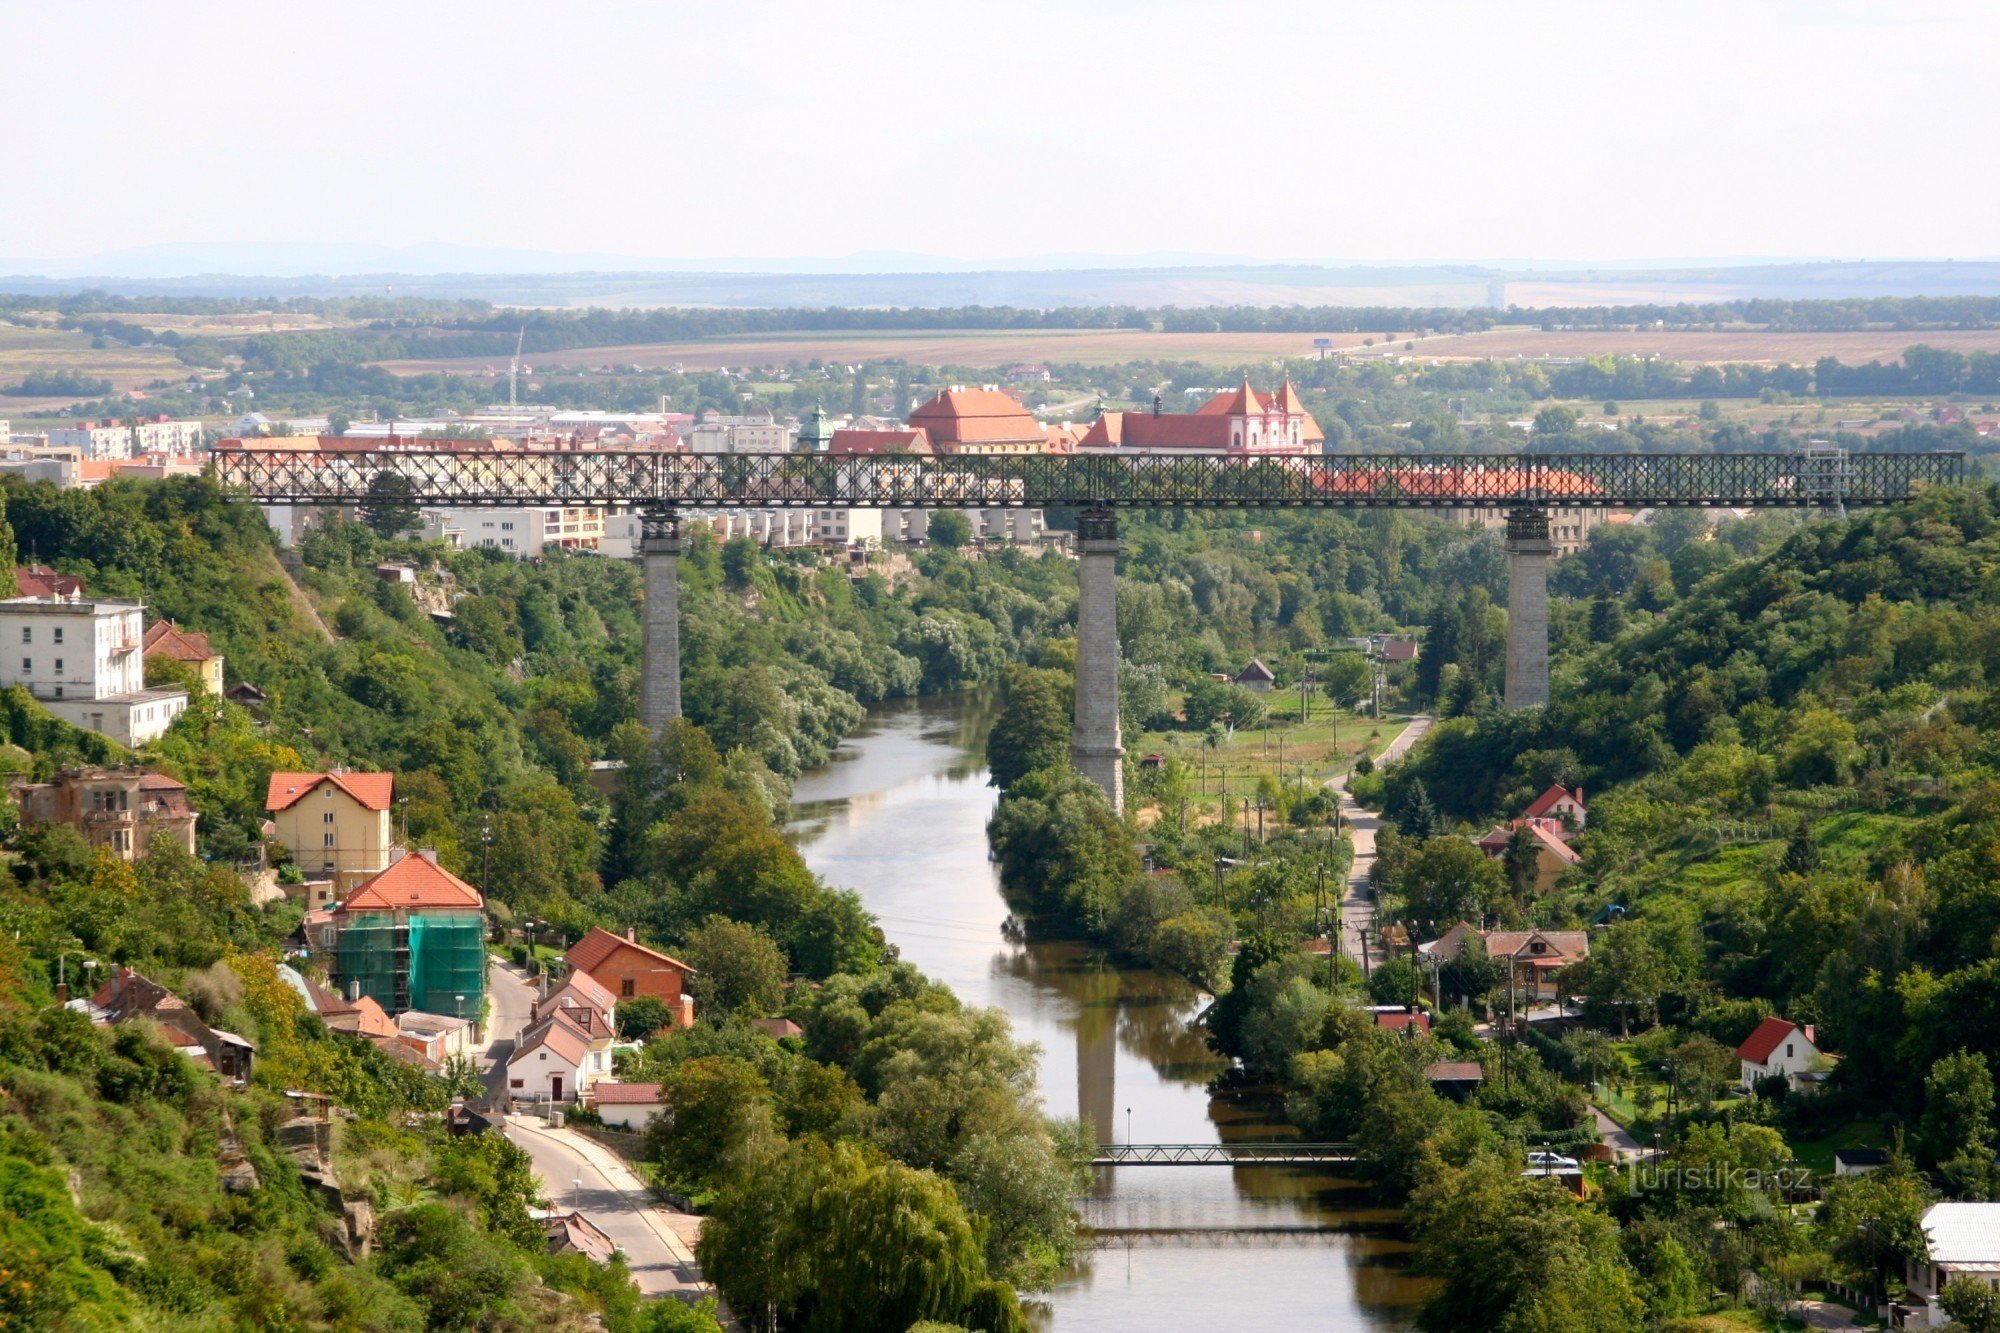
column 1386, row 130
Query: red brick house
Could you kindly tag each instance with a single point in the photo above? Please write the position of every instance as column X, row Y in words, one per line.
column 628, row 969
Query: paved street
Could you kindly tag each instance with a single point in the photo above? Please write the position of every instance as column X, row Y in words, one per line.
column 513, row 1002
column 617, row 1201
column 1357, row 908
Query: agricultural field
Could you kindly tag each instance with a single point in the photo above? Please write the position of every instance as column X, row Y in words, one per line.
column 24, row 351
column 1690, row 346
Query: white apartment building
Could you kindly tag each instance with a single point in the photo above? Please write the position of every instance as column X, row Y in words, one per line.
column 526, row 532
column 83, row 660
column 100, row 440
column 756, row 432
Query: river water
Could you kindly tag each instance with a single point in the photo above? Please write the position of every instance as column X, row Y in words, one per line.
column 900, row 817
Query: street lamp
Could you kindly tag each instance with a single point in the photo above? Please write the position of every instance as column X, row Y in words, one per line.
column 576, row 1193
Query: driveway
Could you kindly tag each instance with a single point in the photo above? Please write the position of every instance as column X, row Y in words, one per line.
column 1357, row 907
column 1615, row 1137
column 660, row 1256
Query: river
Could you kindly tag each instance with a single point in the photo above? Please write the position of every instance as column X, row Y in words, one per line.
column 900, row 817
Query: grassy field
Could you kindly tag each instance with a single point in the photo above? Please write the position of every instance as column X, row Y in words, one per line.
column 26, row 350
column 995, row 348
column 1288, row 751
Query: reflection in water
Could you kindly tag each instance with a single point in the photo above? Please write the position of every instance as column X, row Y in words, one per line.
column 900, row 816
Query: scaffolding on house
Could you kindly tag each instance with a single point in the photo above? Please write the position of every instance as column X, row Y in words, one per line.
column 448, row 965
column 367, row 955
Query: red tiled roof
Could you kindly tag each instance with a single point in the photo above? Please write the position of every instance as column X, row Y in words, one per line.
column 1566, row 945
column 1399, row 650
column 850, row 441
column 1767, row 1037
column 558, row 1037
column 589, row 953
column 580, row 985
column 166, row 639
column 41, row 581
column 413, row 881
column 1547, row 800
column 1455, row 1071
column 1176, row 430
column 1400, row 1022
column 977, row 416
column 1287, row 400
column 625, row 1094
column 371, row 790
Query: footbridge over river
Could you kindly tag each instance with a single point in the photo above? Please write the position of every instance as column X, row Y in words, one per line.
column 1279, row 1152
column 663, row 485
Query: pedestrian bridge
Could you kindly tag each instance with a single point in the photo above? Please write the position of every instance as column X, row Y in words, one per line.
column 1280, row 1153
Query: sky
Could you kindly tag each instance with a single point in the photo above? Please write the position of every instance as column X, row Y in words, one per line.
column 1384, row 131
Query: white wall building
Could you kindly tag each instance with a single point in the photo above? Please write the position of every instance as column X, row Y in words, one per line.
column 94, row 441
column 1778, row 1048
column 1962, row 1243
column 83, row 659
column 99, row 440
column 756, row 432
column 526, row 532
column 178, row 438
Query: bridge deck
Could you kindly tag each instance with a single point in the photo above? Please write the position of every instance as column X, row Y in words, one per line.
column 473, row 477
column 1222, row 1154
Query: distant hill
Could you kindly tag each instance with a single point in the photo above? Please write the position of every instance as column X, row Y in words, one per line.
column 1205, row 284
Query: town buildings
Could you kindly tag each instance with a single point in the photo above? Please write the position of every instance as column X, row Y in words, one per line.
column 628, row 969
column 757, row 431
column 117, row 440
column 126, row 995
column 526, row 531
column 334, row 824
column 1238, row 422
column 629, row 1106
column 168, row 641
column 81, row 659
column 413, row 937
column 124, row 811
column 984, row 421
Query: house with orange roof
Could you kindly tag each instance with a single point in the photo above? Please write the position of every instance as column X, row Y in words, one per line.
column 579, row 990
column 169, row 642
column 336, row 825
column 1553, row 854
column 549, row 1063
column 628, row 969
column 413, row 937
column 41, row 581
column 627, row 1105
column 1240, row 421
column 915, row 441
column 1560, row 803
column 986, row 420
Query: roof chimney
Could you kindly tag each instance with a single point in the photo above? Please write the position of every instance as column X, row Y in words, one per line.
column 429, row 854
column 1156, row 404
column 631, row 934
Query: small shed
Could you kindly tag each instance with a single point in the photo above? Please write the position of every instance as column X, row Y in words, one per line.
column 1256, row 677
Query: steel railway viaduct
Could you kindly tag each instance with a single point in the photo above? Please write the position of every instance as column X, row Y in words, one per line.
column 662, row 486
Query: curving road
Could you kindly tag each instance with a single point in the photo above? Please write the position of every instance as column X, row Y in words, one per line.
column 1357, row 907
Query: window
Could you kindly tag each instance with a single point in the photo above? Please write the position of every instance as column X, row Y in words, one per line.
column 58, row 633
column 329, row 840
column 58, row 666
column 627, row 988
column 326, row 816
column 516, row 1083
column 27, row 666
column 27, row 634
column 1788, row 1050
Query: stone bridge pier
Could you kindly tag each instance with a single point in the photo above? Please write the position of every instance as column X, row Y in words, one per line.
column 1097, row 745
column 1528, row 553
column 660, row 650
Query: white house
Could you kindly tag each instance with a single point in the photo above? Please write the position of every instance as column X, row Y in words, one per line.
column 549, row 1064
column 1778, row 1048
column 1559, row 802
column 83, row 660
column 525, row 531
column 627, row 1105
column 1963, row 1245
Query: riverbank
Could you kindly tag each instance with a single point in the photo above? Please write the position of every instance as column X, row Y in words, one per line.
column 900, row 816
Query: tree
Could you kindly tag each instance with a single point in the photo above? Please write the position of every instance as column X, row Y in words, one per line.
column 1033, row 729
column 949, row 529
column 740, row 559
column 461, row 1077
column 1555, row 422
column 717, row 1104
column 1802, row 851
column 1874, row 1224
column 1625, row 972
column 1417, row 819
column 1194, row 944
column 1522, row 862
column 641, row 1016
column 1448, row 880
column 388, row 506
column 1973, row 1305
column 738, row 969
column 1956, row 1132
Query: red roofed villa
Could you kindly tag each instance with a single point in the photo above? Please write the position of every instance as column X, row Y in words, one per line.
column 1779, row 1048
column 1237, row 422
column 628, row 969
column 979, row 421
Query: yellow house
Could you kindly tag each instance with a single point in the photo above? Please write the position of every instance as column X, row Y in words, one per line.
column 336, row 825
column 168, row 640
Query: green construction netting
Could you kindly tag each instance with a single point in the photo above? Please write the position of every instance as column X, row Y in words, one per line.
column 448, row 965
column 367, row 957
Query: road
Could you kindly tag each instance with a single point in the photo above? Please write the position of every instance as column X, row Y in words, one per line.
column 1624, row 1147
column 513, row 1004
column 1357, row 908
column 660, row 1256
